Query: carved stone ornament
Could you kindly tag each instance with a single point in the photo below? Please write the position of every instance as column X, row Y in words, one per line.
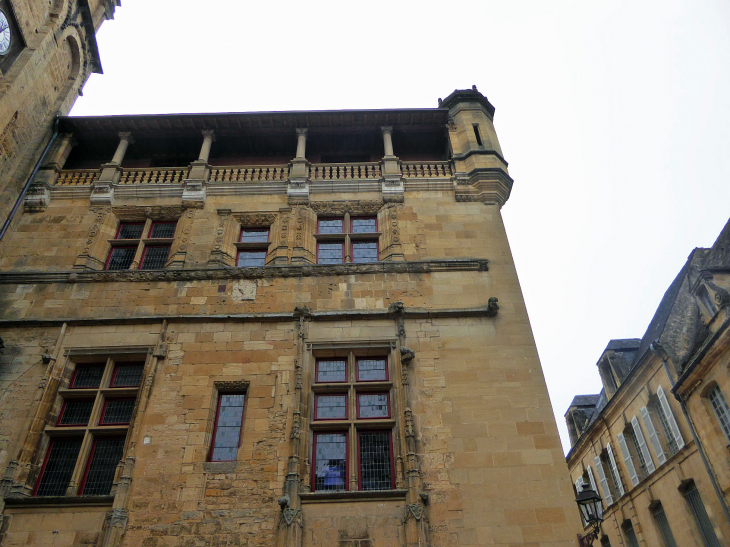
column 406, row 355
column 396, row 307
column 239, row 385
column 117, row 518
column 37, row 199
column 416, row 511
column 302, row 311
column 131, row 213
column 342, row 207
column 492, row 307
column 263, row 220
column 289, row 515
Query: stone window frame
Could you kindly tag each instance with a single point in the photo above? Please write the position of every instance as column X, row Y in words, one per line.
column 718, row 408
column 142, row 243
column 353, row 425
column 93, row 429
column 224, row 387
column 348, row 237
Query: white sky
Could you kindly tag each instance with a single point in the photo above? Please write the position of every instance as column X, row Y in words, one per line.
column 614, row 116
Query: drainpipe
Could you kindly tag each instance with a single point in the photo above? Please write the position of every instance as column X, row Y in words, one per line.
column 30, row 179
column 700, row 448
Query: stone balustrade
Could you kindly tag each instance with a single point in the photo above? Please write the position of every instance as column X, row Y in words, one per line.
column 77, row 177
column 249, row 173
column 344, row 171
column 164, row 175
column 432, row 169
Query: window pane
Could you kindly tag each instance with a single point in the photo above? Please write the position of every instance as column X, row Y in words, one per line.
column 120, row 258
column 371, row 370
column 330, row 461
column 701, row 517
column 87, row 376
column 330, row 225
column 76, row 412
column 722, row 412
column 364, row 251
column 375, row 471
column 117, row 411
column 163, row 229
column 363, row 225
column 127, row 375
column 251, row 258
column 668, row 435
column 254, row 235
column 330, row 407
column 130, row 230
column 155, row 257
column 329, row 253
column 105, row 456
column 59, row 467
column 373, row 405
column 631, row 536
column 331, row 370
column 663, row 524
column 227, row 433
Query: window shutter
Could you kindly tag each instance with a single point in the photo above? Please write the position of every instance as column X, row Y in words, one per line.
column 642, row 445
column 578, row 490
column 612, row 462
column 592, row 480
column 653, row 435
column 670, row 418
column 604, row 481
column 627, row 459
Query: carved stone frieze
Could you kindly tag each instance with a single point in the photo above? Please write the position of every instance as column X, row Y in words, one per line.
column 232, row 385
column 341, row 207
column 263, row 220
column 130, row 213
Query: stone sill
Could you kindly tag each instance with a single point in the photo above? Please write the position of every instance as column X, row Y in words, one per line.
column 59, row 501
column 330, row 497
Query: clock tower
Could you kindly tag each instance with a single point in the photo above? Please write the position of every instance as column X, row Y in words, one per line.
column 47, row 52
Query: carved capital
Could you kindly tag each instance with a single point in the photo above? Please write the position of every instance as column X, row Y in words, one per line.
column 208, row 134
column 126, row 136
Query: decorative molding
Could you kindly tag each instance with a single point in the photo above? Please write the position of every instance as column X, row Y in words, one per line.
column 130, row 213
column 263, row 220
column 259, row 272
column 342, row 207
column 237, row 385
column 416, row 511
column 290, row 515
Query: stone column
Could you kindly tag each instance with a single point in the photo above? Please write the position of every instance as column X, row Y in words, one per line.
column 194, row 186
column 103, row 192
column 208, row 140
column 392, row 183
column 297, row 187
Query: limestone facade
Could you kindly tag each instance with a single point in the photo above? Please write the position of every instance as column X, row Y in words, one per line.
column 654, row 442
column 340, row 283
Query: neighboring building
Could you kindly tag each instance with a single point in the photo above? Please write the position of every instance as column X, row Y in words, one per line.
column 47, row 51
column 274, row 329
column 654, row 442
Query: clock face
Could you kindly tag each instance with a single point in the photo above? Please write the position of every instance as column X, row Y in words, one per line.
column 4, row 34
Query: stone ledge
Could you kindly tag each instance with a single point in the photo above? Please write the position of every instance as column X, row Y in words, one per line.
column 331, row 497
column 313, row 270
column 59, row 501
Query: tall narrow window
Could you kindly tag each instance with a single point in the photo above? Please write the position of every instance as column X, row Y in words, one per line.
column 721, row 410
column 666, row 429
column 228, row 426
column 702, row 519
column 630, row 535
column 477, row 134
column 662, row 524
column 106, row 453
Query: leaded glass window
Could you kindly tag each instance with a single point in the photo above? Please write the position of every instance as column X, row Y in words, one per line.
column 228, row 425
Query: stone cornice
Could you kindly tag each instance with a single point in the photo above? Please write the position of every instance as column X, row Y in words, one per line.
column 313, row 270
column 480, row 152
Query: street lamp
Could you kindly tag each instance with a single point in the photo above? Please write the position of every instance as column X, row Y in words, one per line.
column 591, row 508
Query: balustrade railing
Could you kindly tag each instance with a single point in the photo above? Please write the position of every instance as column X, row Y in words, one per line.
column 250, row 173
column 344, row 171
column 170, row 175
column 432, row 169
column 77, row 177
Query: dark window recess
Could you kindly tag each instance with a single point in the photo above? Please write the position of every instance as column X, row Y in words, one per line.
column 330, row 469
column 130, row 230
column 364, row 251
column 127, row 375
column 371, row 370
column 105, row 456
column 87, row 376
column 163, row 229
column 251, row 235
column 58, row 467
column 692, row 495
column 477, row 135
column 117, row 411
column 76, row 412
column 330, row 253
column 331, row 226
column 251, row 258
column 330, row 407
column 364, row 225
column 331, row 370
column 664, row 529
column 227, row 432
column 373, row 405
column 375, row 461
column 154, row 257
column 120, row 258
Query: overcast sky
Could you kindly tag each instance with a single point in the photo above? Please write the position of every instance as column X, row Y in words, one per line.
column 613, row 116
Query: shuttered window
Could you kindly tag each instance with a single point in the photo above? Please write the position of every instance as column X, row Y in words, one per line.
column 642, row 447
column 615, row 475
column 675, row 442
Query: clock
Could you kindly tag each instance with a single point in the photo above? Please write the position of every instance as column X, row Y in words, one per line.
column 4, row 33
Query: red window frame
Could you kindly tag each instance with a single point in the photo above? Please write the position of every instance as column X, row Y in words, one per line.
column 316, row 407
column 357, row 368
column 217, row 416
column 352, row 250
column 90, row 458
column 341, row 219
column 353, row 219
column 329, row 243
column 112, row 383
column 106, row 403
column 147, row 247
column 63, row 410
column 45, row 461
column 119, row 229
column 316, row 371
column 390, row 449
column 244, row 229
column 347, row 458
column 357, row 405
column 86, row 365
column 111, row 251
column 152, row 227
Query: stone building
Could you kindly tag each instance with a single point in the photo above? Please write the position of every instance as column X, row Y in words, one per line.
column 47, row 52
column 292, row 328
column 654, row 442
